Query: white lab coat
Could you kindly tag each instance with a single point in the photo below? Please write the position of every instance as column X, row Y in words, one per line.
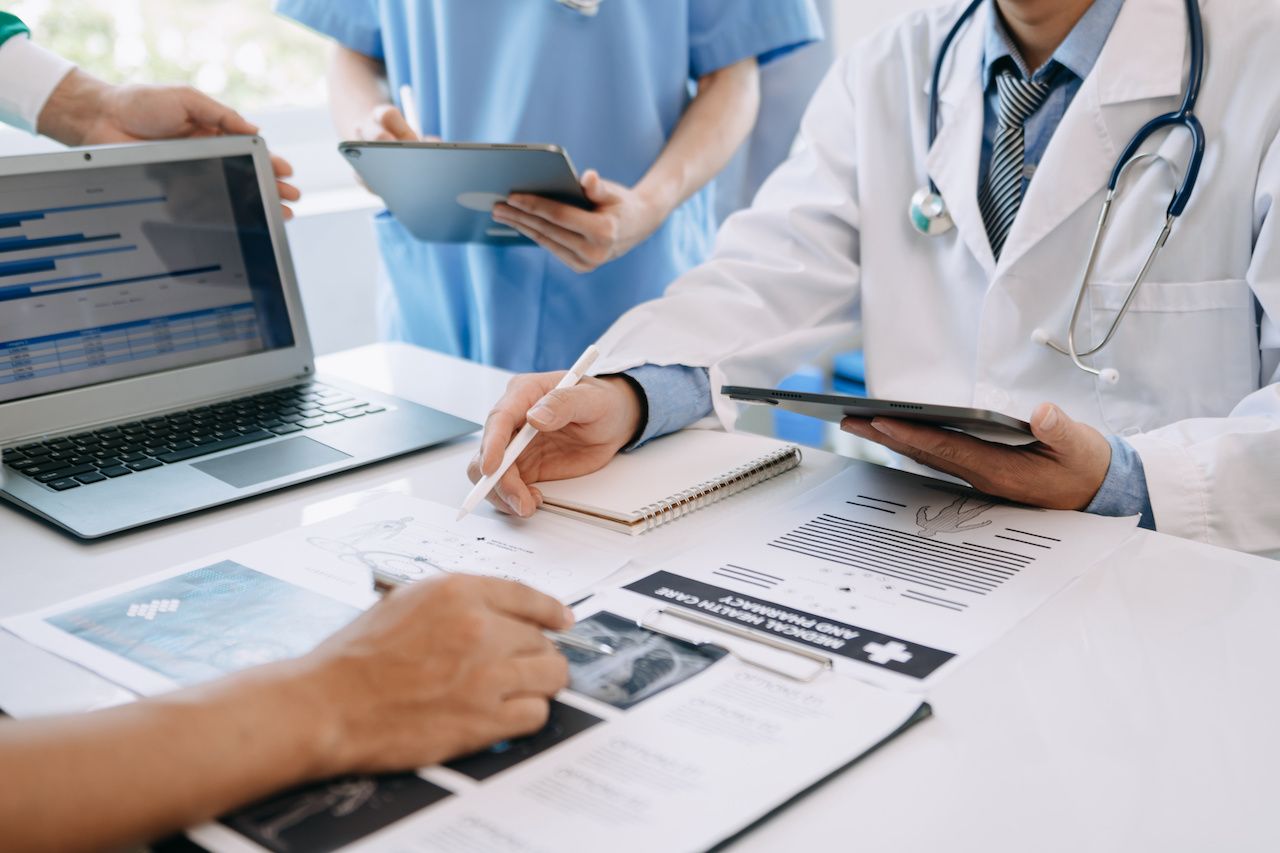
column 827, row 249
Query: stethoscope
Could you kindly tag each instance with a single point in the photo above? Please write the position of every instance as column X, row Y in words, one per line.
column 930, row 216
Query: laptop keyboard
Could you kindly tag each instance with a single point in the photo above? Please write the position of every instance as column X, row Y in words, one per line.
column 99, row 455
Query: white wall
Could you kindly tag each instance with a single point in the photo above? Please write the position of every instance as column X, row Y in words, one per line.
column 856, row 18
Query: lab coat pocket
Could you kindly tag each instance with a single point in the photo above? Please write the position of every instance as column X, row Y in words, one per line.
column 1184, row 350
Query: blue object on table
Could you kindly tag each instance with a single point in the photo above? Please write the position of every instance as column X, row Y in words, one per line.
column 849, row 388
column 801, row 429
column 850, row 367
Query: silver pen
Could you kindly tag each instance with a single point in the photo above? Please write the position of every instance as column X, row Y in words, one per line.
column 385, row 582
column 573, row 641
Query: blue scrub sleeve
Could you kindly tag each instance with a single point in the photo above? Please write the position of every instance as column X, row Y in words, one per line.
column 722, row 32
column 1124, row 489
column 352, row 23
column 675, row 396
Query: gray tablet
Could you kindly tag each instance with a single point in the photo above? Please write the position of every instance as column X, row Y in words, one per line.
column 979, row 423
column 443, row 192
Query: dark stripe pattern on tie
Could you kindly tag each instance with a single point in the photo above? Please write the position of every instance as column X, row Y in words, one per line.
column 1002, row 196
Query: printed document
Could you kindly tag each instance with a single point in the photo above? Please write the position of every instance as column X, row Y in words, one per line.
column 665, row 745
column 896, row 576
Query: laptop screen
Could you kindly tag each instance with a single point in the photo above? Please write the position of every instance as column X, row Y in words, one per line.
column 120, row 271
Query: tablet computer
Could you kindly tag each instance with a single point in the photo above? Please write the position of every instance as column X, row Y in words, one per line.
column 444, row 192
column 979, row 423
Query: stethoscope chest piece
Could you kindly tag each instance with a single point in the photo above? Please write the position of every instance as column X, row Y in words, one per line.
column 929, row 214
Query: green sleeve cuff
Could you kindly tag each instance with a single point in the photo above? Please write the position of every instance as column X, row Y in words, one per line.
column 10, row 26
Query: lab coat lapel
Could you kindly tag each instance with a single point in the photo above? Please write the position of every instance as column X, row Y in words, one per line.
column 1143, row 59
column 953, row 159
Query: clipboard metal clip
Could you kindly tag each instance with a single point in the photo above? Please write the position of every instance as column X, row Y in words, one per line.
column 821, row 663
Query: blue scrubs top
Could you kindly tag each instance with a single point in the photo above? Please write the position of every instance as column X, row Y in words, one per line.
column 608, row 88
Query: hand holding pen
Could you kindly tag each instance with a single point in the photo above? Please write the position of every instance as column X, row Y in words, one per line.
column 384, row 582
column 577, row 429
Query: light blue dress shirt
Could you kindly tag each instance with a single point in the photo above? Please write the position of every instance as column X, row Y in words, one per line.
column 678, row 396
column 609, row 88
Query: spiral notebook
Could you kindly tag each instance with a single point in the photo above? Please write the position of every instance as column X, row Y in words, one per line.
column 669, row 478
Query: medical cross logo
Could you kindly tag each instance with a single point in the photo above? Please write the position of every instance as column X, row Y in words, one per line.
column 150, row 609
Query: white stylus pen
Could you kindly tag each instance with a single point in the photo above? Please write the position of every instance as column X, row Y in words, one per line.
column 410, row 109
column 522, row 439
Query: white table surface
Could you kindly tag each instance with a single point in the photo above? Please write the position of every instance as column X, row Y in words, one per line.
column 1135, row 711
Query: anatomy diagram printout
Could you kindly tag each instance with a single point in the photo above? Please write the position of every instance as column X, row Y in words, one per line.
column 279, row 597
column 889, row 572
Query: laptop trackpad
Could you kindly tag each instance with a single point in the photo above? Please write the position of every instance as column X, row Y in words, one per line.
column 250, row 467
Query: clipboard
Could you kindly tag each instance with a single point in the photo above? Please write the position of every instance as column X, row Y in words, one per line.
column 444, row 192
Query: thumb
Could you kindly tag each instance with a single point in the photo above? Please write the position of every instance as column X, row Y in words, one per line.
column 393, row 121
column 561, row 407
column 209, row 114
column 1052, row 426
column 597, row 189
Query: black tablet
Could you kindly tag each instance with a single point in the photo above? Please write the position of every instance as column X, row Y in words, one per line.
column 979, row 423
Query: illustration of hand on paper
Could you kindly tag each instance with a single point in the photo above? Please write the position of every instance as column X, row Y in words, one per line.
column 954, row 518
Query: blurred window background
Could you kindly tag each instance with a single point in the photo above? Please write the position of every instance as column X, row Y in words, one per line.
column 235, row 50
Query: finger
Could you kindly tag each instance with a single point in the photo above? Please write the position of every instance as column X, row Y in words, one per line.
column 374, row 133
column 545, row 225
column 956, row 447
column 1052, row 427
column 598, row 190
column 206, row 112
column 390, row 119
column 527, row 604
column 560, row 407
column 566, row 257
column 524, row 715
column 282, row 167
column 512, row 495
column 863, row 429
column 499, row 428
column 566, row 216
column 537, row 675
column 288, row 192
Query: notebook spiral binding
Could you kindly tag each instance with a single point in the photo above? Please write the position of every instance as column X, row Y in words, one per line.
column 705, row 494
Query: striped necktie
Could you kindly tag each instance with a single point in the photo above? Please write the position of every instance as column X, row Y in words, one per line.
column 1002, row 196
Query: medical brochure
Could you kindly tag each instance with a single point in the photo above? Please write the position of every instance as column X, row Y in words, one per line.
column 897, row 577
column 665, row 745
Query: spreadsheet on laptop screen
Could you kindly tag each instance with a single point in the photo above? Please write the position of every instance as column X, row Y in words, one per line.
column 120, row 271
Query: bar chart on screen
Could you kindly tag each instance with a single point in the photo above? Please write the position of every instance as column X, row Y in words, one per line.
column 135, row 269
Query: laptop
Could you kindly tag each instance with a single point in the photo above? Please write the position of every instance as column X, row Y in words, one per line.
column 154, row 358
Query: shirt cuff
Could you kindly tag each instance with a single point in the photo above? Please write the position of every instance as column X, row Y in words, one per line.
column 28, row 75
column 1124, row 489
column 675, row 396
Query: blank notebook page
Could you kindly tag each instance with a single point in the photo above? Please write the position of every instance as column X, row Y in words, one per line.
column 662, row 469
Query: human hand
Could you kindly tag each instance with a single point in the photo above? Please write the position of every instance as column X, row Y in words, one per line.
column 585, row 239
column 579, row 430
column 435, row 670
column 1063, row 470
column 83, row 110
column 385, row 123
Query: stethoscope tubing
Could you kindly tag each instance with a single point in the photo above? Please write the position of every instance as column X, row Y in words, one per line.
column 1183, row 117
